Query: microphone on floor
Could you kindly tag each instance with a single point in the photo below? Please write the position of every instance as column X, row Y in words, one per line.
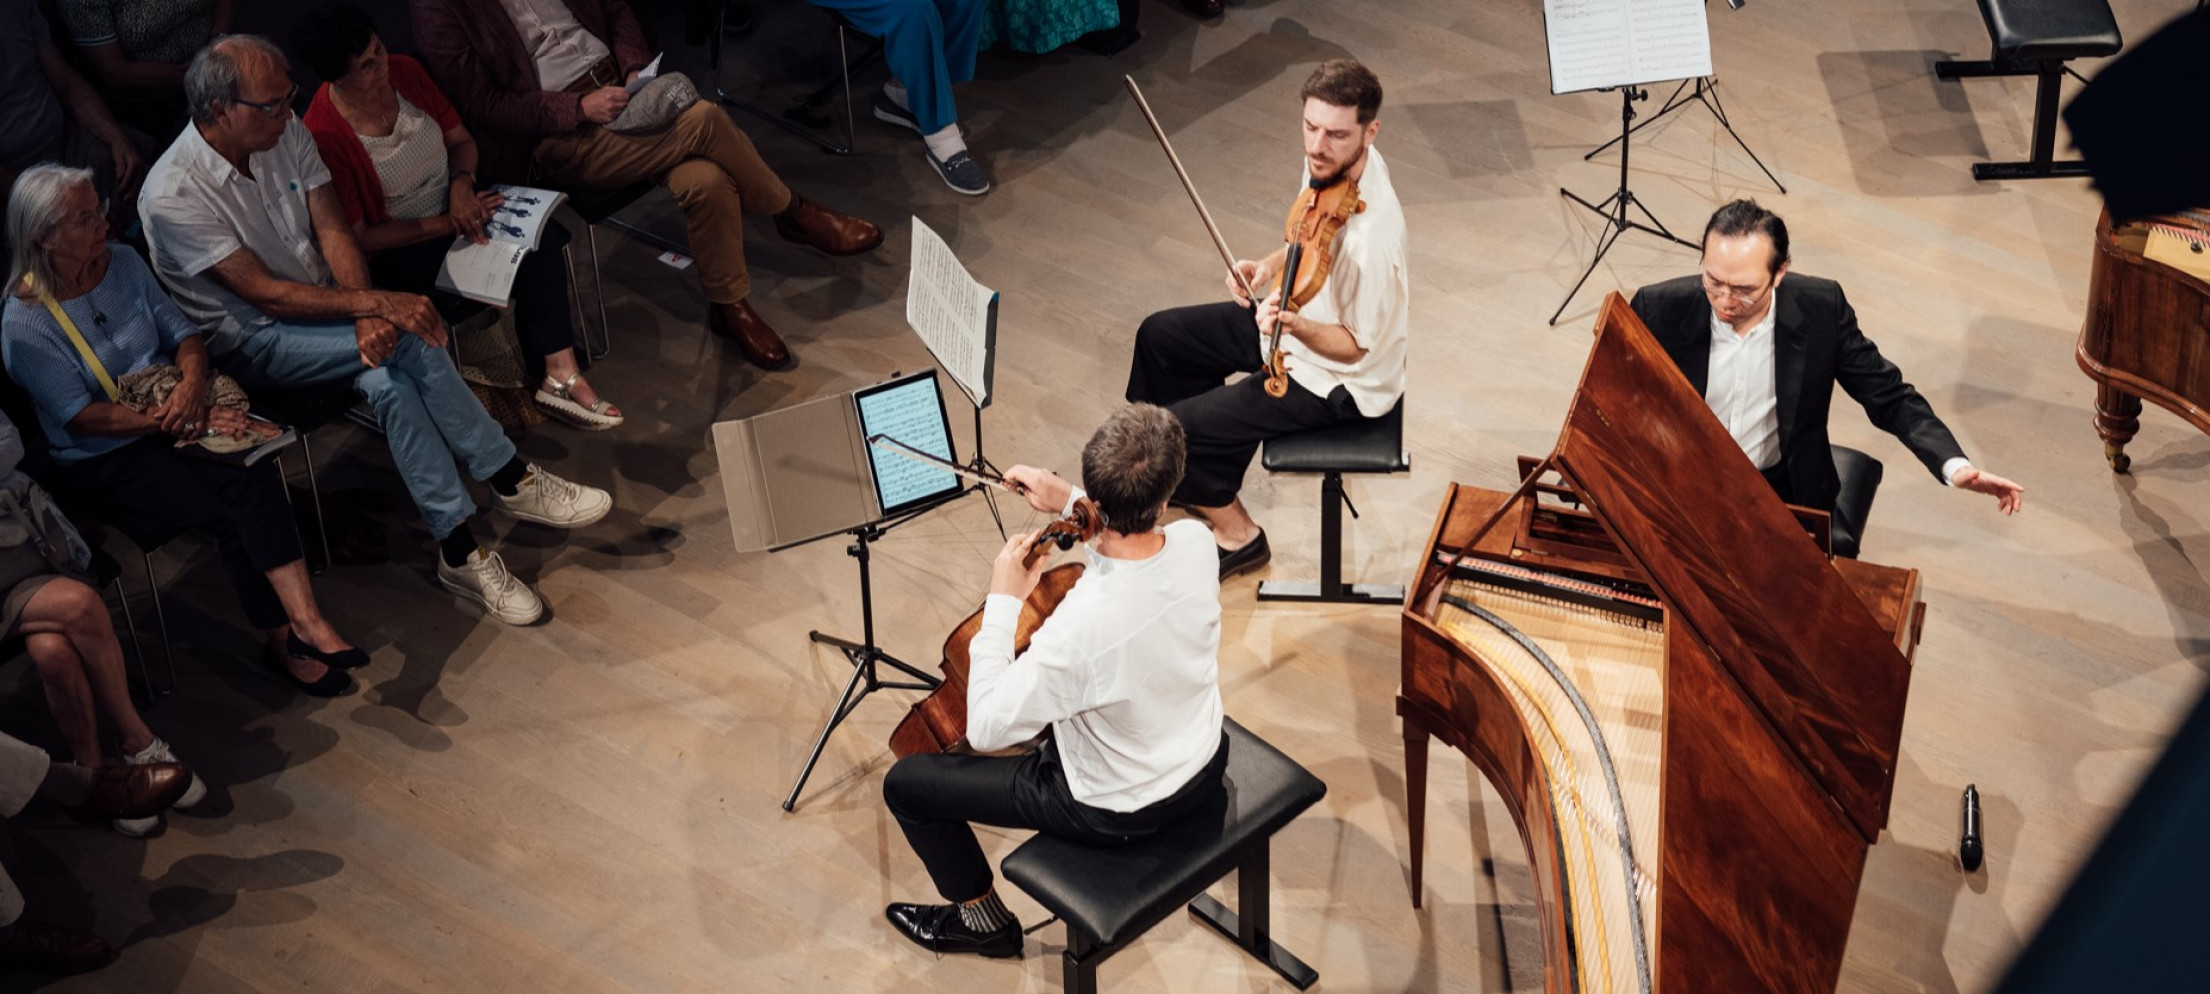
column 1969, row 851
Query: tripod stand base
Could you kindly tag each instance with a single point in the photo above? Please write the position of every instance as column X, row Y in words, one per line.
column 864, row 681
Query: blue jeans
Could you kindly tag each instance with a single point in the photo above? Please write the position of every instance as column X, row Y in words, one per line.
column 928, row 44
column 428, row 415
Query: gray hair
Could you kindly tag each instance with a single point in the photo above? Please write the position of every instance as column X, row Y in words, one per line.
column 34, row 210
column 211, row 81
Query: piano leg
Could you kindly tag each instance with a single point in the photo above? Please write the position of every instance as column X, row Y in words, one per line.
column 2117, row 420
column 1415, row 798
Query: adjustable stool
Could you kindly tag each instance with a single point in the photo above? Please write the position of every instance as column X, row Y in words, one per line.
column 1374, row 445
column 1110, row 896
column 2036, row 38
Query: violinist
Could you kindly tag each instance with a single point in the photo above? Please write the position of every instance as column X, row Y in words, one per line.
column 1124, row 673
column 1344, row 348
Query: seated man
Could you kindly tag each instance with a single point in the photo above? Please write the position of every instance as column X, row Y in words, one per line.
column 250, row 239
column 1345, row 349
column 537, row 81
column 929, row 45
column 48, row 113
column 138, row 49
column 1768, row 362
column 1125, row 673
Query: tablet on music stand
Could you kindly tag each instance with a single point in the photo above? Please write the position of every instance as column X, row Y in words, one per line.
column 909, row 409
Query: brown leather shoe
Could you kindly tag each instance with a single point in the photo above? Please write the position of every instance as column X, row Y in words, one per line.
column 122, row 791
column 53, row 949
column 827, row 230
column 760, row 343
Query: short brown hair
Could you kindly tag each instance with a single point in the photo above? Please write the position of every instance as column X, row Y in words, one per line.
column 1345, row 83
column 1132, row 465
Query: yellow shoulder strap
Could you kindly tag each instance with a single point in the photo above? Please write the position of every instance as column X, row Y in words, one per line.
column 84, row 348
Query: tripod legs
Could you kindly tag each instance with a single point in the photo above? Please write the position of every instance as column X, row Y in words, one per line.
column 864, row 681
column 1701, row 90
column 1614, row 208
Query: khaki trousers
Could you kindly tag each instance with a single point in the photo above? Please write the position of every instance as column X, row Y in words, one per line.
column 710, row 166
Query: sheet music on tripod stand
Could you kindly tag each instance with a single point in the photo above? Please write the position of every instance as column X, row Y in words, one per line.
column 956, row 316
column 1600, row 44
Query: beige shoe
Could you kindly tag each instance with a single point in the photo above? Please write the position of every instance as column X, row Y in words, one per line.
column 555, row 398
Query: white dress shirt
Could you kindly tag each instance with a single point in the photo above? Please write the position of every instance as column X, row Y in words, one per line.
column 1126, row 672
column 1742, row 385
column 198, row 210
column 1368, row 292
column 558, row 46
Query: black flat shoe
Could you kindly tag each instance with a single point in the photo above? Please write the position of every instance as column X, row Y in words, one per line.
column 334, row 682
column 939, row 929
column 343, row 659
column 1253, row 554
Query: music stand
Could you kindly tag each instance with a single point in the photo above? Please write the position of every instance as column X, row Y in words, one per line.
column 957, row 318
column 1614, row 208
column 1706, row 92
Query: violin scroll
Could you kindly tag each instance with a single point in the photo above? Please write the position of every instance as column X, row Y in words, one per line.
column 1081, row 524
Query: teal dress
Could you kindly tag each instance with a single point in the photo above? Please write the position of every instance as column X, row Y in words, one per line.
column 1038, row 26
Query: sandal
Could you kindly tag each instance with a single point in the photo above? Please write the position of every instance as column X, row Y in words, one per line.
column 554, row 398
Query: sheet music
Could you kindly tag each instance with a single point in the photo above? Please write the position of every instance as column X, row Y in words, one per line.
column 912, row 414
column 1603, row 43
column 951, row 312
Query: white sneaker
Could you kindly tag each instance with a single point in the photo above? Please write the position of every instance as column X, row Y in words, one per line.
column 485, row 580
column 550, row 500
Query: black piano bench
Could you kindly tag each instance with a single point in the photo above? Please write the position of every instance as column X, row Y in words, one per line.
column 1374, row 445
column 1109, row 897
column 2036, row 38
column 1860, row 475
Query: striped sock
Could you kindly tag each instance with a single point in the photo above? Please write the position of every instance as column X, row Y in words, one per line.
column 986, row 913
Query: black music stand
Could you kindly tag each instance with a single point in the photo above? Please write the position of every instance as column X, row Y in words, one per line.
column 1614, row 208
column 864, row 654
column 1706, row 92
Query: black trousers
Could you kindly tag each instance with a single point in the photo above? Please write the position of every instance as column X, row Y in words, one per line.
column 1842, row 527
column 150, row 489
column 1183, row 355
column 935, row 797
column 542, row 318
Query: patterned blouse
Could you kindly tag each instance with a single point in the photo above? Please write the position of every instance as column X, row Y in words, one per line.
column 148, row 30
column 410, row 163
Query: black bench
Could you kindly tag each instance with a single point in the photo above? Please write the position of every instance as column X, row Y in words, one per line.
column 2036, row 38
column 1109, row 897
column 1860, row 475
column 1371, row 446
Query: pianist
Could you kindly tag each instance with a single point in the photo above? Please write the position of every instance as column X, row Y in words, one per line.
column 1767, row 362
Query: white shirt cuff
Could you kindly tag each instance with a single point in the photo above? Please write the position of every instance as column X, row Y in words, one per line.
column 1954, row 466
column 1073, row 494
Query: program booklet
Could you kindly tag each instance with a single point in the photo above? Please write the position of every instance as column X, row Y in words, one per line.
column 485, row 273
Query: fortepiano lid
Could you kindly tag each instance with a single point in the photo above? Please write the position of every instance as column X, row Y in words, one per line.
column 1676, row 492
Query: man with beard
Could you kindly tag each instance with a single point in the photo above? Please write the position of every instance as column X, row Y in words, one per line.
column 1344, row 350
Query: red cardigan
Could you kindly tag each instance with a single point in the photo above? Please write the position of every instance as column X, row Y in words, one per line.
column 351, row 172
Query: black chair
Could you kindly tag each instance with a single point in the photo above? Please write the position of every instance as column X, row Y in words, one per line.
column 2036, row 38
column 1110, row 896
column 1374, row 445
column 597, row 207
column 1860, row 475
column 306, row 409
column 804, row 117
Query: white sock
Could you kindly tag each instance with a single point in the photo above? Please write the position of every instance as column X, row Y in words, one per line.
column 946, row 143
column 896, row 92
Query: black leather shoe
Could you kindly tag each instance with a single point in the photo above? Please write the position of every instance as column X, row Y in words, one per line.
column 334, row 682
column 343, row 659
column 1253, row 554
column 939, row 929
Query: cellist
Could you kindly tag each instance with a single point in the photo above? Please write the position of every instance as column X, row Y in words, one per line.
column 1345, row 348
column 1124, row 672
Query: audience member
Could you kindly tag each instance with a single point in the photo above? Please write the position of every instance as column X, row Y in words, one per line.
column 250, row 238
column 89, row 794
column 75, row 294
column 49, row 113
column 540, row 79
column 929, row 45
column 1039, row 26
column 404, row 166
column 138, row 48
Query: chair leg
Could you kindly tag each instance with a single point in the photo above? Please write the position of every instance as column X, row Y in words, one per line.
column 314, row 495
column 161, row 615
column 1251, row 929
column 1331, row 589
column 1078, row 974
column 844, row 70
column 575, row 297
column 138, row 648
column 598, row 290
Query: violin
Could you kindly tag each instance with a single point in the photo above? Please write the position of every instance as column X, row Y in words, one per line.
column 1315, row 221
column 938, row 722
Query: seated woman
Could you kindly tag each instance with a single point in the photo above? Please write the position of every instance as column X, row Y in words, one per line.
column 71, row 296
column 66, row 631
column 404, row 166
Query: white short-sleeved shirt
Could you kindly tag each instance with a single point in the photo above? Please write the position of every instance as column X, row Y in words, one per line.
column 1368, row 292
column 198, row 209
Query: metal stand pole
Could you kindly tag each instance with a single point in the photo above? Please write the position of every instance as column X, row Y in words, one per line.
column 1614, row 208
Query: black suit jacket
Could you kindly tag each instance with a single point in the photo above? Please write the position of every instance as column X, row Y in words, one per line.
column 1818, row 345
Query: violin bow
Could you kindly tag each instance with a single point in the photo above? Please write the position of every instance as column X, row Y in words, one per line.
column 1218, row 242
column 892, row 445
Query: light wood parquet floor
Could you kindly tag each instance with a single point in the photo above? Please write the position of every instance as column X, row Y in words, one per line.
column 591, row 804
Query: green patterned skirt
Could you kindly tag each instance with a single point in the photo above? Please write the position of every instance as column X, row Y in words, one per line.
column 1037, row 26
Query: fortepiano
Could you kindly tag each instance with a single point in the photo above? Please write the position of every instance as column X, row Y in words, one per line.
column 1690, row 710
column 2147, row 333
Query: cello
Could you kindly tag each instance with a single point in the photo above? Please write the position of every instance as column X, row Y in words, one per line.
column 938, row 722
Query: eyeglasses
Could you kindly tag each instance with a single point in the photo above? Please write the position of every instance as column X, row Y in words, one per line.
column 87, row 220
column 1739, row 294
column 274, row 108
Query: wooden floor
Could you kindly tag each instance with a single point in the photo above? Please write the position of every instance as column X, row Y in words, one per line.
column 590, row 804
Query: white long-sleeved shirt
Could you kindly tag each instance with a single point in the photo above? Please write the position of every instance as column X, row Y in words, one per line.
column 1368, row 292
column 1125, row 671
